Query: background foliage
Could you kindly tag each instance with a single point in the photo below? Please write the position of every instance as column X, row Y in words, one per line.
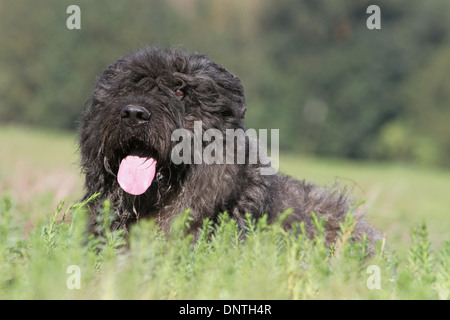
column 311, row 68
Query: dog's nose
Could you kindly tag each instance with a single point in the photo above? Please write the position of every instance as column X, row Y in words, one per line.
column 134, row 115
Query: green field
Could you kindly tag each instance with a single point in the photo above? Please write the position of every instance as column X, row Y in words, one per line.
column 39, row 168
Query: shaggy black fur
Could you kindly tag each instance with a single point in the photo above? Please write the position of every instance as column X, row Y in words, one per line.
column 150, row 79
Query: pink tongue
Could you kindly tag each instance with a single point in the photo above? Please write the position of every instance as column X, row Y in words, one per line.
column 136, row 174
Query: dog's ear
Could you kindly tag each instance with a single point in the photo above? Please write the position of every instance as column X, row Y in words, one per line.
column 217, row 89
column 114, row 81
column 232, row 88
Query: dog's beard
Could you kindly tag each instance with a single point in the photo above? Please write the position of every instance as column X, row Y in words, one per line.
column 138, row 162
column 140, row 157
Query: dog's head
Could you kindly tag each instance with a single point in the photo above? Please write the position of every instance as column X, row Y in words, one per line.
column 140, row 100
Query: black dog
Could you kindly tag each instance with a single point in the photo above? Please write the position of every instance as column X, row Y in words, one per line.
column 127, row 149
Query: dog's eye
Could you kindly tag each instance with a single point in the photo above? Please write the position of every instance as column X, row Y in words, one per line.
column 179, row 92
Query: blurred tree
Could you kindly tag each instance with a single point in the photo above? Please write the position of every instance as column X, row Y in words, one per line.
column 427, row 113
column 330, row 54
column 310, row 68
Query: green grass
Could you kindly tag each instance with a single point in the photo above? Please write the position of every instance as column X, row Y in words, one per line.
column 269, row 264
column 43, row 243
column 38, row 168
column 398, row 196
